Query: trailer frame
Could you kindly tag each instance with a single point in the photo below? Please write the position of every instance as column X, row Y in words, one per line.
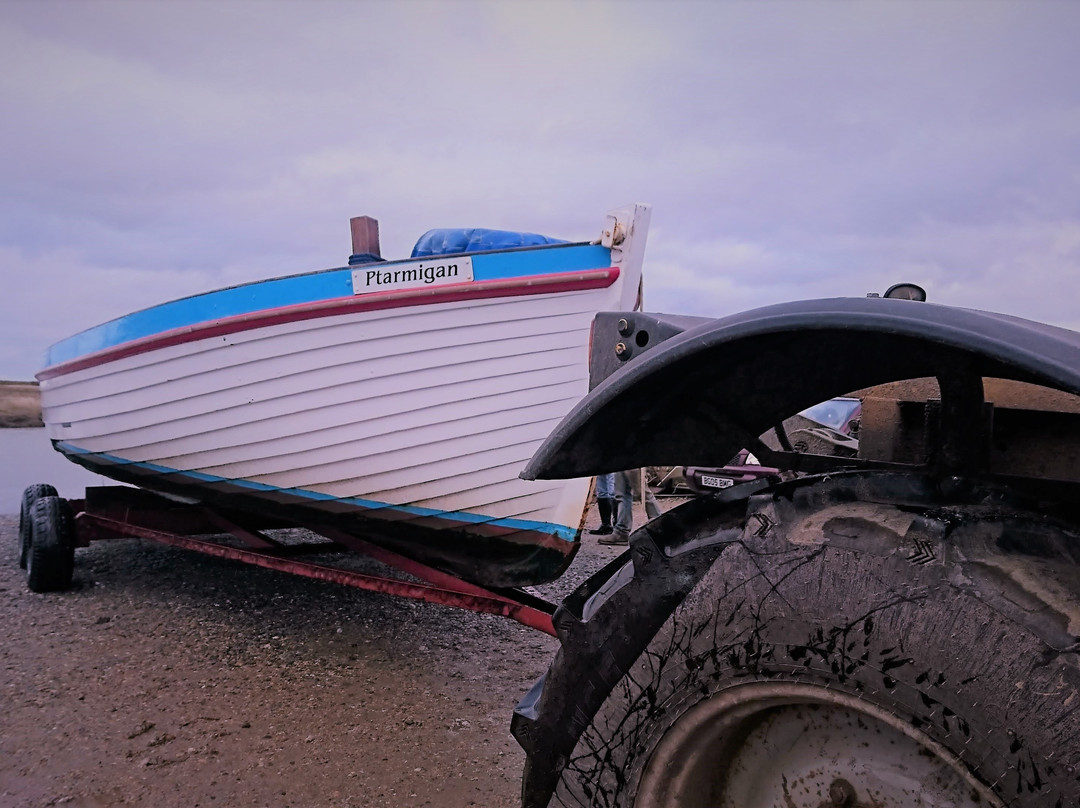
column 121, row 512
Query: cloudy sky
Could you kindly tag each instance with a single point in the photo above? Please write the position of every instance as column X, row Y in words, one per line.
column 154, row 149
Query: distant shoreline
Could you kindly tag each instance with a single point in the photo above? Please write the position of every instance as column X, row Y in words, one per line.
column 20, row 405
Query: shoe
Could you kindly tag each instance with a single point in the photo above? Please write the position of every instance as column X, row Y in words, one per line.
column 603, row 530
column 616, row 538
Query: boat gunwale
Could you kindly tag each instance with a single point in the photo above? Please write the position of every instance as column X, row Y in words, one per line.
column 289, row 279
column 549, row 283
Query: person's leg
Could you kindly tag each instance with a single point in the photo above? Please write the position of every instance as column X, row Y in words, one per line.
column 605, row 502
column 624, row 519
column 624, row 493
column 605, row 486
column 604, row 506
column 640, row 492
column 652, row 507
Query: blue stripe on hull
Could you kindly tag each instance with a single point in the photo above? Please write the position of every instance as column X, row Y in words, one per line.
column 312, row 287
column 558, row 531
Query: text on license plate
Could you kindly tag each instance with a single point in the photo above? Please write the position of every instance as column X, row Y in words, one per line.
column 709, row 481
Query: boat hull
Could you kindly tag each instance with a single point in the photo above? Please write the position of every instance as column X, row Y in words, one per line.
column 403, row 417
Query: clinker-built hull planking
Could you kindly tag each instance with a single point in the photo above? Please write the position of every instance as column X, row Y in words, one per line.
column 404, row 416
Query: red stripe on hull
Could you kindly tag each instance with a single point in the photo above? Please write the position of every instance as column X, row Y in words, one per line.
column 504, row 287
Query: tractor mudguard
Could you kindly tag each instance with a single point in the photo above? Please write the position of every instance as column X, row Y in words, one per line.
column 695, row 392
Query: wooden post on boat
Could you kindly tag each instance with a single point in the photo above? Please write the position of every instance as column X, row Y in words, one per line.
column 365, row 240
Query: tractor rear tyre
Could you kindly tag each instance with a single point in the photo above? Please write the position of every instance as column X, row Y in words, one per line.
column 858, row 641
column 51, row 556
column 31, row 495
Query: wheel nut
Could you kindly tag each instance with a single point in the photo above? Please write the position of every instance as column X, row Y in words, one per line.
column 841, row 793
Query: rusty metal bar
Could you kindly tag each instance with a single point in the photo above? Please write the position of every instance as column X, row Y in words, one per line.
column 391, row 559
column 475, row 599
column 249, row 537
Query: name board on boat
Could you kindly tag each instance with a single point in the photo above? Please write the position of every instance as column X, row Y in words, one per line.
column 429, row 272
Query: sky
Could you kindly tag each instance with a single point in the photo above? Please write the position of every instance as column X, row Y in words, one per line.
column 790, row 150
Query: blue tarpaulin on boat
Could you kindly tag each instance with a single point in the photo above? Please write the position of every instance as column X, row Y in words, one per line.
column 447, row 241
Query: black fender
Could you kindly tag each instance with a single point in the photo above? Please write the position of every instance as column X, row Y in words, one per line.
column 709, row 388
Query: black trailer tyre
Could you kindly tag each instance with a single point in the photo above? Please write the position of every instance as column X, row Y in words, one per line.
column 848, row 652
column 51, row 556
column 31, row 495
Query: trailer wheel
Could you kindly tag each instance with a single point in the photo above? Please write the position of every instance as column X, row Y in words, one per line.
column 51, row 555
column 31, row 495
column 838, row 652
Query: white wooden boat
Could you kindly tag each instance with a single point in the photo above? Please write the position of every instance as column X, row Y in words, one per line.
column 396, row 400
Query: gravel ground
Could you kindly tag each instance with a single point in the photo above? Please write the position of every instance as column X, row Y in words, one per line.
column 169, row 678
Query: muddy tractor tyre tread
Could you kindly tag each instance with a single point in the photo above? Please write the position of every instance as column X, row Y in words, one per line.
column 605, row 624
column 31, row 495
column 51, row 555
column 950, row 622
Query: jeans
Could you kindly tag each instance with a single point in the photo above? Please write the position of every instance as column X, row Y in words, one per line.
column 605, row 486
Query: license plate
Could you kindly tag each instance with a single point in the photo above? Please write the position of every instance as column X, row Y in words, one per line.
column 709, row 481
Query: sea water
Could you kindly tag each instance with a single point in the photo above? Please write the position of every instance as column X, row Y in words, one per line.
column 27, row 457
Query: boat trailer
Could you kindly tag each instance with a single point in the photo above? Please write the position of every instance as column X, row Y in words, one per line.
column 50, row 528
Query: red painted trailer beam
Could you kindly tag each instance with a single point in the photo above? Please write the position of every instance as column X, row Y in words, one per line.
column 476, row 599
column 391, row 559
